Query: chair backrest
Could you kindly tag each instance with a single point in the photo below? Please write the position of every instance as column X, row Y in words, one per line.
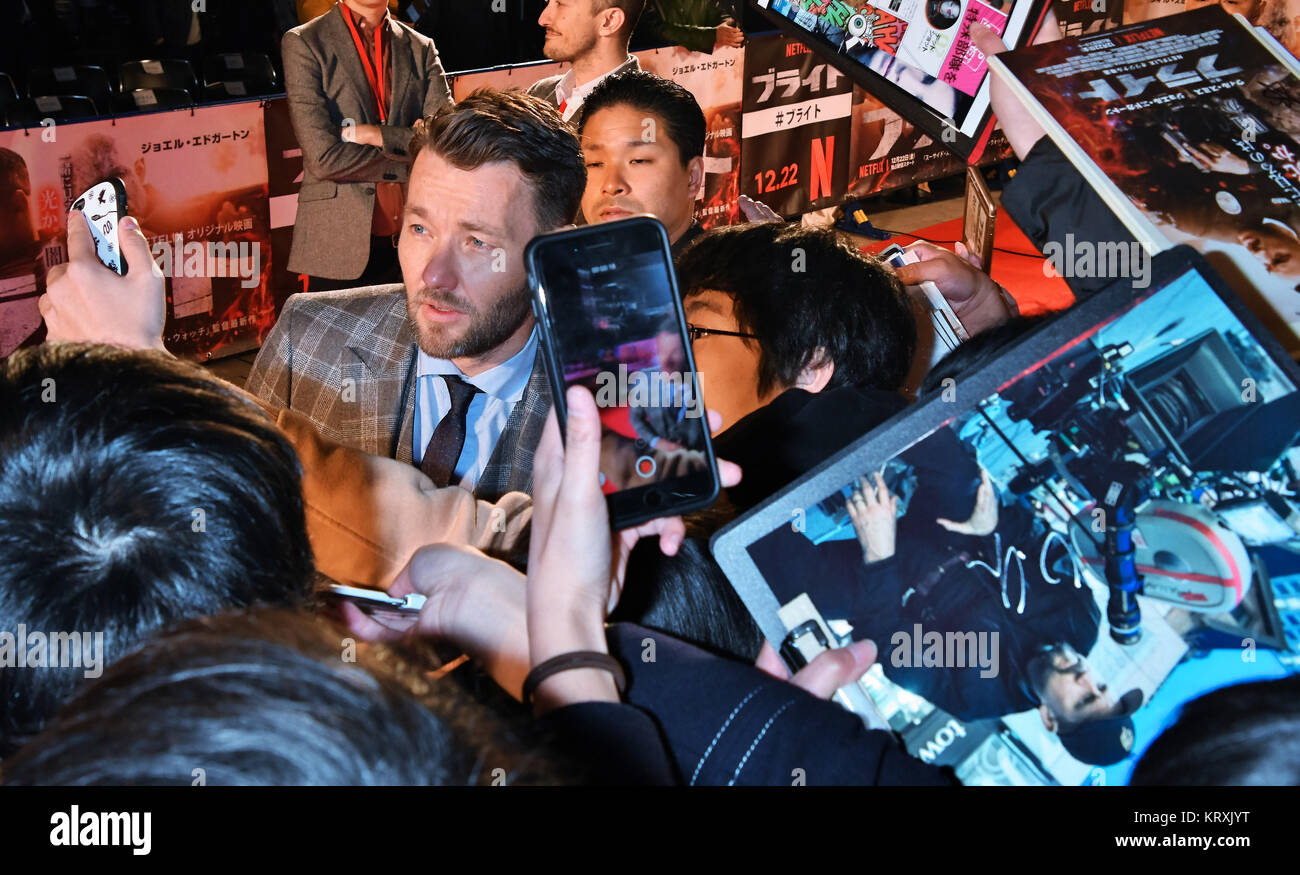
column 155, row 99
column 88, row 80
column 156, row 74
column 254, row 69
column 10, row 108
column 60, row 107
column 217, row 91
column 8, row 93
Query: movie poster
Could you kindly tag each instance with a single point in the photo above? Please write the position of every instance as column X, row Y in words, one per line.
column 796, row 127
column 922, row 46
column 1279, row 17
column 717, row 82
column 1014, row 646
column 1080, row 17
column 196, row 181
column 504, row 77
column 1194, row 127
column 888, row 152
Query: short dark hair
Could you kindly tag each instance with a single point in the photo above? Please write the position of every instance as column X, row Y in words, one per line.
column 271, row 698
column 687, row 595
column 632, row 10
column 1244, row 734
column 683, row 120
column 798, row 289
column 491, row 126
column 135, row 490
column 982, row 349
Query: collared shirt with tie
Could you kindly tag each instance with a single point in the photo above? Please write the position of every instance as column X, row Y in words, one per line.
column 499, row 389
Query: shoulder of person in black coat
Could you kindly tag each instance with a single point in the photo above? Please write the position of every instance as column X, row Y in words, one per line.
column 610, row 744
column 728, row 723
column 1049, row 198
column 796, row 432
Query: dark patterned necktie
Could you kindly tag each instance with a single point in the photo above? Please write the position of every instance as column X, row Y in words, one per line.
column 444, row 449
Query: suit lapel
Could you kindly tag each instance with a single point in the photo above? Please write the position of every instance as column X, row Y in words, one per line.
column 510, row 469
column 402, row 69
column 400, row 64
column 385, row 350
column 345, row 50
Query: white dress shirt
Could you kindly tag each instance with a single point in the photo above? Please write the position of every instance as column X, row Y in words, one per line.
column 571, row 96
column 500, row 388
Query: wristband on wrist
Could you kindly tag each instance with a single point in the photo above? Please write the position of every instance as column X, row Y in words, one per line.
column 572, row 660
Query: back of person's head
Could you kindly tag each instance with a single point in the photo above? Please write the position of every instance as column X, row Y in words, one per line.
column 270, row 698
column 491, row 126
column 800, row 291
column 688, row 596
column 1245, row 734
column 982, row 349
column 135, row 490
column 674, row 109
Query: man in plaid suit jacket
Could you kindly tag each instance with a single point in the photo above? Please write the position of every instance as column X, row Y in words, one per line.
column 490, row 173
column 346, row 360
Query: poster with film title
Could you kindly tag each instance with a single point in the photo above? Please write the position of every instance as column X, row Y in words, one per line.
column 196, row 181
column 1191, row 130
column 795, row 127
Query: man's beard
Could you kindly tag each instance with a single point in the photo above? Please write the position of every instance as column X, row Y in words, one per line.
column 486, row 331
column 565, row 54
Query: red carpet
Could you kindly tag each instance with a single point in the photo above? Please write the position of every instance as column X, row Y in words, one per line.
column 1017, row 266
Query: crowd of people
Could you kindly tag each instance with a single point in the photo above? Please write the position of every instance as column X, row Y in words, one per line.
column 402, row 437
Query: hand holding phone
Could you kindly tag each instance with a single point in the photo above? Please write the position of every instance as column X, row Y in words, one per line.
column 948, row 330
column 87, row 302
column 380, row 605
column 606, row 301
column 104, row 206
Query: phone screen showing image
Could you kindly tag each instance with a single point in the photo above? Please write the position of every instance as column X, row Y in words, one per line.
column 614, row 325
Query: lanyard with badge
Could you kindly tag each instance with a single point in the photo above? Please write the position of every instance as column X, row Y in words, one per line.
column 389, row 195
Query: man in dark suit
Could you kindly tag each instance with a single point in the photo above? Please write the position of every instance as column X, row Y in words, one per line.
column 444, row 372
column 593, row 36
column 353, row 119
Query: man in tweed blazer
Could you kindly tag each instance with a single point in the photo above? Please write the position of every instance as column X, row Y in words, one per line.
column 346, row 169
column 367, row 366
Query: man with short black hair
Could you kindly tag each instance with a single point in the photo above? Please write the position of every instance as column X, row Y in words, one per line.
column 444, row 373
column 643, row 144
column 801, row 341
column 593, row 36
column 135, row 490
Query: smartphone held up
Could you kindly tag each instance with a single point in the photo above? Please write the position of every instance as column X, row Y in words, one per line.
column 104, row 206
column 606, row 301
